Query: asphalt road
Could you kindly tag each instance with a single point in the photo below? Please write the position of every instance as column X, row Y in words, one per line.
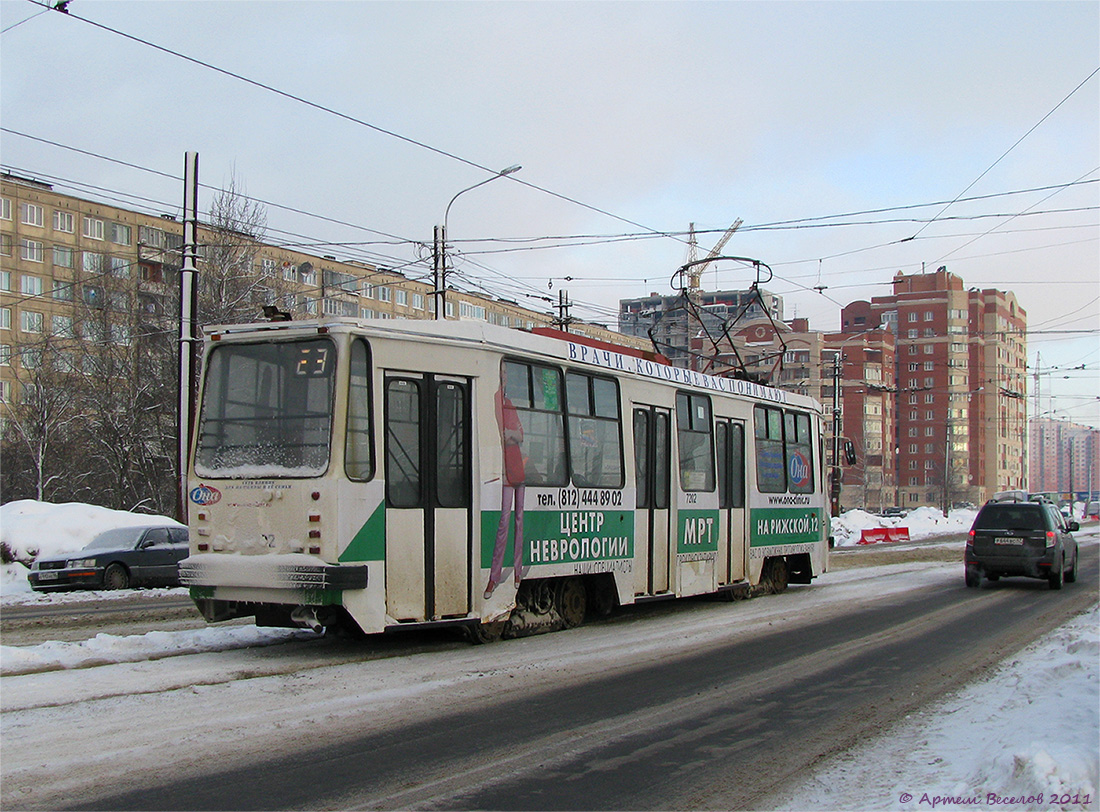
column 717, row 727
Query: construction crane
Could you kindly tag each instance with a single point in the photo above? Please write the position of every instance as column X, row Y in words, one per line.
column 695, row 273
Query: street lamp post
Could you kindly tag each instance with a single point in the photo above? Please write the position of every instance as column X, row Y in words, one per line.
column 439, row 250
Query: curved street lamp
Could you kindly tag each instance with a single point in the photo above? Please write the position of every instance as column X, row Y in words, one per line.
column 440, row 253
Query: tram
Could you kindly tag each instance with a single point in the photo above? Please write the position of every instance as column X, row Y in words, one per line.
column 387, row 474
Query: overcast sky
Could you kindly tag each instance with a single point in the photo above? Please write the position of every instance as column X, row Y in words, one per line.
column 630, row 120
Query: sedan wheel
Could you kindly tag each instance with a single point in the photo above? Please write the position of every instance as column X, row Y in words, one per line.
column 116, row 577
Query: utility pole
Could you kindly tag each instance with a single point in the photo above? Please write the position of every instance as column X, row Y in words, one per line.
column 947, row 460
column 439, row 272
column 188, row 336
column 1040, row 483
column 439, row 251
column 835, row 485
column 564, row 319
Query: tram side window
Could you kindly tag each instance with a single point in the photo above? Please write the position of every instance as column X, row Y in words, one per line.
column 694, row 436
column 451, row 446
column 358, row 446
column 595, row 434
column 403, row 475
column 770, row 459
column 731, row 464
column 535, row 393
column 641, row 458
column 799, row 453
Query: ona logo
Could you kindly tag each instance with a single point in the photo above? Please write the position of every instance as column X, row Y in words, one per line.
column 205, row 495
column 798, row 469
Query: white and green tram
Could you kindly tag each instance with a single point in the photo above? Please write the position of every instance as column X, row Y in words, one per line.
column 381, row 474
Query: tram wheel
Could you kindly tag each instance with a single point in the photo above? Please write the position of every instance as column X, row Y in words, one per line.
column 775, row 575
column 540, row 598
column 486, row 632
column 571, row 602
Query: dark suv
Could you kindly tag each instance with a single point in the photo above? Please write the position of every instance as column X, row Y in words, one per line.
column 1029, row 538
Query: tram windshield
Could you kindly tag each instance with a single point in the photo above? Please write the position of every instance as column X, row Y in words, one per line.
column 267, row 410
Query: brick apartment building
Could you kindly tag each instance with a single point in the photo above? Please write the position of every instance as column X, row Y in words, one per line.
column 961, row 423
column 932, row 384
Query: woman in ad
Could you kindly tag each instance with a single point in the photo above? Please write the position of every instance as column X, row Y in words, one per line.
column 512, row 487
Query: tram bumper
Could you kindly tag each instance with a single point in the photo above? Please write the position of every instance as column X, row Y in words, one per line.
column 226, row 586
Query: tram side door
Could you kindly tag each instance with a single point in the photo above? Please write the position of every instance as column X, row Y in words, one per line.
column 730, row 446
column 652, row 517
column 428, row 492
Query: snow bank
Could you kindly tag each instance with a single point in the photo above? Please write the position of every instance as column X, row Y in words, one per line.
column 923, row 522
column 1025, row 738
column 31, row 529
column 13, row 579
column 110, row 648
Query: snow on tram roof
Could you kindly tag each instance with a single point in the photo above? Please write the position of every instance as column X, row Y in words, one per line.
column 545, row 342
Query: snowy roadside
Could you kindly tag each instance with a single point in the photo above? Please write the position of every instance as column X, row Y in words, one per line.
column 987, row 738
column 1024, row 738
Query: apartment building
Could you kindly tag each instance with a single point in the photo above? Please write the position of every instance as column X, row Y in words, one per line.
column 866, row 362
column 932, row 382
column 675, row 323
column 961, row 432
column 1065, row 457
column 64, row 259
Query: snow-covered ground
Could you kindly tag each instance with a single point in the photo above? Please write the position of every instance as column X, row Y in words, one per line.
column 1026, row 737
column 922, row 523
column 31, row 529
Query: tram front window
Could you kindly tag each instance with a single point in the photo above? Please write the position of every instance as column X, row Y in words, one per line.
column 267, row 410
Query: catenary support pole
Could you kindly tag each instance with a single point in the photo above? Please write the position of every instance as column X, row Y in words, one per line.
column 439, row 271
column 188, row 338
column 835, row 485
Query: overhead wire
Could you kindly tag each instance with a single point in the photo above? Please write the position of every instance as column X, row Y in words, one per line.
column 25, row 20
column 155, row 207
column 346, row 117
column 651, row 233
column 1010, row 149
column 1021, row 214
column 592, row 238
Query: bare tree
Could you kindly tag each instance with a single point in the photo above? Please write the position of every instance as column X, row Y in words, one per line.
column 41, row 423
column 95, row 415
column 125, row 393
column 231, row 289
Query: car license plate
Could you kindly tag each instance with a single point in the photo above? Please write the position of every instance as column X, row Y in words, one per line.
column 47, row 576
column 1007, row 540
